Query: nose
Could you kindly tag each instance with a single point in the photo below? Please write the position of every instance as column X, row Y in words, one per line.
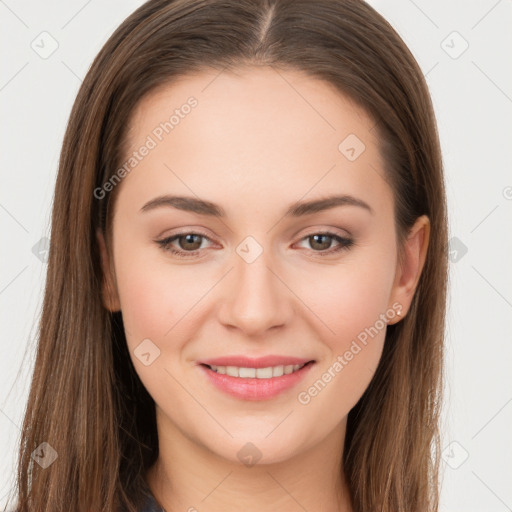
column 255, row 299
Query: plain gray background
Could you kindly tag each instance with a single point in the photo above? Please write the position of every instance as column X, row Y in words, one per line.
column 463, row 48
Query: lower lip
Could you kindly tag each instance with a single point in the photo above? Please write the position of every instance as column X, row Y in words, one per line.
column 255, row 389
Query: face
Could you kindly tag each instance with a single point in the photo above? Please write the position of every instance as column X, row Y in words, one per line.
column 251, row 273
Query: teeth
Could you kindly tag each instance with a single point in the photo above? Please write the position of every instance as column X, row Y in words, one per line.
column 247, row 373
column 258, row 373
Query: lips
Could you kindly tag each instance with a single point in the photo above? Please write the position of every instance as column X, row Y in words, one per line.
column 248, row 378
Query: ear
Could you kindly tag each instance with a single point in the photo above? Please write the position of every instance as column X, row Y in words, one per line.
column 408, row 271
column 109, row 289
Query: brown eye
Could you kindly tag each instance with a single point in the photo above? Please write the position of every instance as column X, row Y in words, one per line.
column 190, row 242
column 184, row 244
column 320, row 242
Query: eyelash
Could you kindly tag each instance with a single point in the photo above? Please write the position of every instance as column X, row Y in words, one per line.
column 165, row 244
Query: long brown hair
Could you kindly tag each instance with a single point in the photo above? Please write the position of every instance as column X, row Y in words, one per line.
column 86, row 400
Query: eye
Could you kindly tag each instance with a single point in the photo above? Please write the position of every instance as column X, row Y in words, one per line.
column 321, row 242
column 190, row 244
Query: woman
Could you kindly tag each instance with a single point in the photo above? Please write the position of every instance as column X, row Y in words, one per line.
column 291, row 357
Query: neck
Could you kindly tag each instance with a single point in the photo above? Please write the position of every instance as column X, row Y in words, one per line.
column 189, row 477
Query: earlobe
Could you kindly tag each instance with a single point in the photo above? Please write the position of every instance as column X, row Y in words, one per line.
column 409, row 270
column 109, row 289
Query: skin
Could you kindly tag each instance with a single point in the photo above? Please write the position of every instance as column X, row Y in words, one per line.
column 258, row 141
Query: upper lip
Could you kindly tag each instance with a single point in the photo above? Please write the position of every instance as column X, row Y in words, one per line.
column 257, row 362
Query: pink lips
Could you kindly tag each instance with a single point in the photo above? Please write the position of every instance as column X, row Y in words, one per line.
column 254, row 388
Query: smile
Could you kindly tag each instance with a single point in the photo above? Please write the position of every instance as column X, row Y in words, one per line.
column 246, row 383
column 257, row 373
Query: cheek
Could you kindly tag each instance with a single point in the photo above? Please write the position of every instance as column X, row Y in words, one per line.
column 348, row 297
column 352, row 356
column 154, row 296
column 352, row 303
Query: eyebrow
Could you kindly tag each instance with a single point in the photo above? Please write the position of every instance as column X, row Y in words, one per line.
column 297, row 209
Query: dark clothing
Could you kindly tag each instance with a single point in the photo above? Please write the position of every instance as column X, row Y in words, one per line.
column 151, row 505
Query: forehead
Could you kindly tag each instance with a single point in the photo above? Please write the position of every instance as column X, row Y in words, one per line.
column 290, row 102
column 258, row 130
